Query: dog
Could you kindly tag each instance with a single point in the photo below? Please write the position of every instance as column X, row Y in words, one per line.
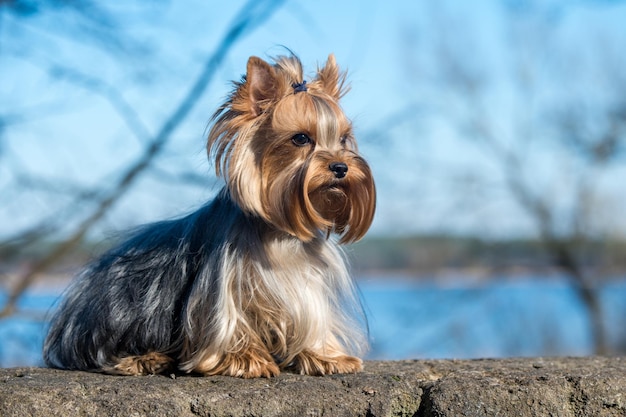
column 254, row 282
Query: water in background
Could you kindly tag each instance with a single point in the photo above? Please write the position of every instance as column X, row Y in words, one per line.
column 410, row 319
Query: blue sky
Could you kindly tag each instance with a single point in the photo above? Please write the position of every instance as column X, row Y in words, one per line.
column 429, row 177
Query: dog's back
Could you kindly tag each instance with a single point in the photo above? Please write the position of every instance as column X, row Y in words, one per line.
column 130, row 301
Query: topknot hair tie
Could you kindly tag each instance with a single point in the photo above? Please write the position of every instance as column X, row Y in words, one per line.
column 299, row 87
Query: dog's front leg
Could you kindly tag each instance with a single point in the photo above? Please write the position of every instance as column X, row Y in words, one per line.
column 251, row 361
column 309, row 362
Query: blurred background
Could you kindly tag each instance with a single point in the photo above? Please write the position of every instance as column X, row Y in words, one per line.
column 496, row 131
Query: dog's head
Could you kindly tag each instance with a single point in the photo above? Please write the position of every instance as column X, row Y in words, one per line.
column 288, row 152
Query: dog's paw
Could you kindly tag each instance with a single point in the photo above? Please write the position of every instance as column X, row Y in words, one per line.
column 149, row 364
column 252, row 366
column 311, row 363
column 247, row 364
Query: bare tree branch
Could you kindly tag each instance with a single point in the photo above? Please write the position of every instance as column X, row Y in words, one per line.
column 592, row 137
column 253, row 14
column 112, row 96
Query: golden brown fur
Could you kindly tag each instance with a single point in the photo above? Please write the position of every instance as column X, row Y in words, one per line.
column 252, row 136
column 254, row 282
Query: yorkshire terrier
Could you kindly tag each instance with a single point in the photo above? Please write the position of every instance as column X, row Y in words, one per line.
column 254, row 282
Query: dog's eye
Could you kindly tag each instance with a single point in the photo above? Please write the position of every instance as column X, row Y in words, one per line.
column 301, row 139
column 347, row 141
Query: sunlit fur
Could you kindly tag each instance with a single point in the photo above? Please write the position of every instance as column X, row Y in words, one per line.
column 253, row 282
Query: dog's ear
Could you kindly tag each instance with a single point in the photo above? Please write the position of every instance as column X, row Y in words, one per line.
column 332, row 80
column 261, row 84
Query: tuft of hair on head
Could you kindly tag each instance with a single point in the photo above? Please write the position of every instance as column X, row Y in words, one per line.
column 333, row 80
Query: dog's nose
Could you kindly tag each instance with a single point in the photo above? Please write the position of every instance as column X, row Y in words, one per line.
column 339, row 169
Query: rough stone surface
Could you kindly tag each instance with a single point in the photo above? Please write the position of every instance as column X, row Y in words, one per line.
column 512, row 387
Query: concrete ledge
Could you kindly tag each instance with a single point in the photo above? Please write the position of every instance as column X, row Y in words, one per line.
column 512, row 387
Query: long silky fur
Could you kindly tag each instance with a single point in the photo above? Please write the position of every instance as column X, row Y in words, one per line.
column 176, row 287
column 251, row 270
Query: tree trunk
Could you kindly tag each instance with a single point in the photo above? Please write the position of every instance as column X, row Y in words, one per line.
column 590, row 298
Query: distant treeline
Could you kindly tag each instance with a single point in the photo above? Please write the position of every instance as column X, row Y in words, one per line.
column 414, row 255
column 430, row 254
